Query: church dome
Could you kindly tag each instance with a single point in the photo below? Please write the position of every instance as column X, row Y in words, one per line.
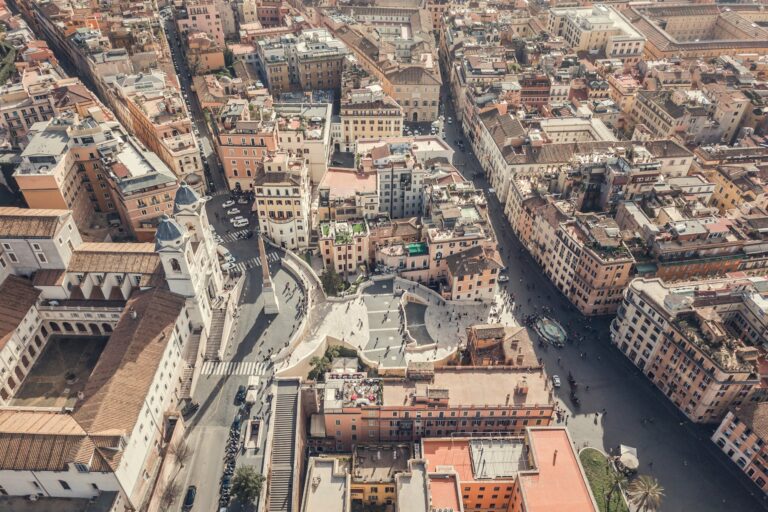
column 185, row 197
column 168, row 234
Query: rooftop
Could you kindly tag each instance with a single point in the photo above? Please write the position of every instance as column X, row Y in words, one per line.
column 557, row 481
column 463, row 386
column 30, row 222
column 327, row 486
column 380, row 462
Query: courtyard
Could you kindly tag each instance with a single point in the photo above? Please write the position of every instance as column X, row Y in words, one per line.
column 61, row 372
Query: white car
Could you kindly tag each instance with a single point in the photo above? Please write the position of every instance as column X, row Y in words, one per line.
column 228, row 259
column 503, row 279
column 240, row 223
column 227, row 265
column 227, row 204
column 236, row 218
column 242, row 200
column 233, row 211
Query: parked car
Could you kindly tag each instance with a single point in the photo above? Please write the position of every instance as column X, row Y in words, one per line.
column 236, row 218
column 240, row 223
column 233, row 211
column 556, row 381
column 227, row 204
column 227, row 265
column 503, row 279
column 189, row 498
column 240, row 396
column 242, row 200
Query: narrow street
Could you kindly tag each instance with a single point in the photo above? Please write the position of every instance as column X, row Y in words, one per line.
column 695, row 474
column 255, row 335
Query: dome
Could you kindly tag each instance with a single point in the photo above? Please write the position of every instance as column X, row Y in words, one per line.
column 168, row 233
column 185, row 197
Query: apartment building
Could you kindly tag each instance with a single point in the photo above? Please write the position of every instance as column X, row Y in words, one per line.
column 310, row 60
column 204, row 53
column 201, row 16
column 154, row 111
column 282, row 200
column 305, row 128
column 598, row 28
column 344, row 245
column 401, row 166
column 244, row 138
column 440, row 402
column 536, row 471
column 737, row 185
column 536, row 465
column 742, row 437
column 27, row 102
column 346, row 194
column 696, row 341
column 584, row 255
column 698, row 31
column 367, row 113
column 411, row 74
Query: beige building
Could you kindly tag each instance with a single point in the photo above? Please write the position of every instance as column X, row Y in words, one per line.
column 155, row 113
column 282, row 200
column 309, row 61
column 344, row 245
column 696, row 341
column 598, row 28
column 368, row 113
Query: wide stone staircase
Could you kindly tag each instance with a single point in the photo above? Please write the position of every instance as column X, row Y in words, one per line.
column 217, row 329
column 282, row 459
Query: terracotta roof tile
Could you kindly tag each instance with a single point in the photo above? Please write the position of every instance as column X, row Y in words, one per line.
column 119, row 383
column 114, row 257
column 30, row 222
column 17, row 296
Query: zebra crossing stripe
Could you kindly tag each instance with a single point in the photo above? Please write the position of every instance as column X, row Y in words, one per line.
column 233, row 368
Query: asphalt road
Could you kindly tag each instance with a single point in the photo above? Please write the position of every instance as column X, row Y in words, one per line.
column 694, row 473
column 213, row 172
column 256, row 334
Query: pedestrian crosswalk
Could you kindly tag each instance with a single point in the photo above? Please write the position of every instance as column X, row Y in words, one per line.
column 255, row 261
column 233, row 368
column 233, row 235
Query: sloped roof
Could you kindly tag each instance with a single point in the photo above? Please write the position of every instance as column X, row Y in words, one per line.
column 120, row 382
column 139, row 258
column 473, row 261
column 30, row 222
column 17, row 296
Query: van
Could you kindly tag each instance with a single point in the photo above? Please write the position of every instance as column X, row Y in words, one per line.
column 224, row 252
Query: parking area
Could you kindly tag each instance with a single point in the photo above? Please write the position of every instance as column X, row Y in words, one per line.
column 61, row 372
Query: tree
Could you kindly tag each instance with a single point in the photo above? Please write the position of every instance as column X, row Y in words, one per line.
column 645, row 493
column 170, row 494
column 247, row 484
column 331, row 280
column 615, row 482
column 181, row 452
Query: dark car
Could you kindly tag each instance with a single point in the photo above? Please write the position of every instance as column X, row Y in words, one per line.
column 240, row 396
column 249, row 234
column 189, row 498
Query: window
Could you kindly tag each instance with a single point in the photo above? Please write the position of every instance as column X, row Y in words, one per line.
column 64, row 485
column 82, row 468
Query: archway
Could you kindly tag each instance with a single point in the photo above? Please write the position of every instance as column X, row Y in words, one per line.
column 44, row 331
column 81, row 327
column 67, row 327
column 95, row 329
column 415, row 117
column 19, row 373
column 106, row 327
column 25, row 361
column 55, row 327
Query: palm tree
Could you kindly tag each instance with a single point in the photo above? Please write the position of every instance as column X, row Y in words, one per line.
column 645, row 493
column 616, row 481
